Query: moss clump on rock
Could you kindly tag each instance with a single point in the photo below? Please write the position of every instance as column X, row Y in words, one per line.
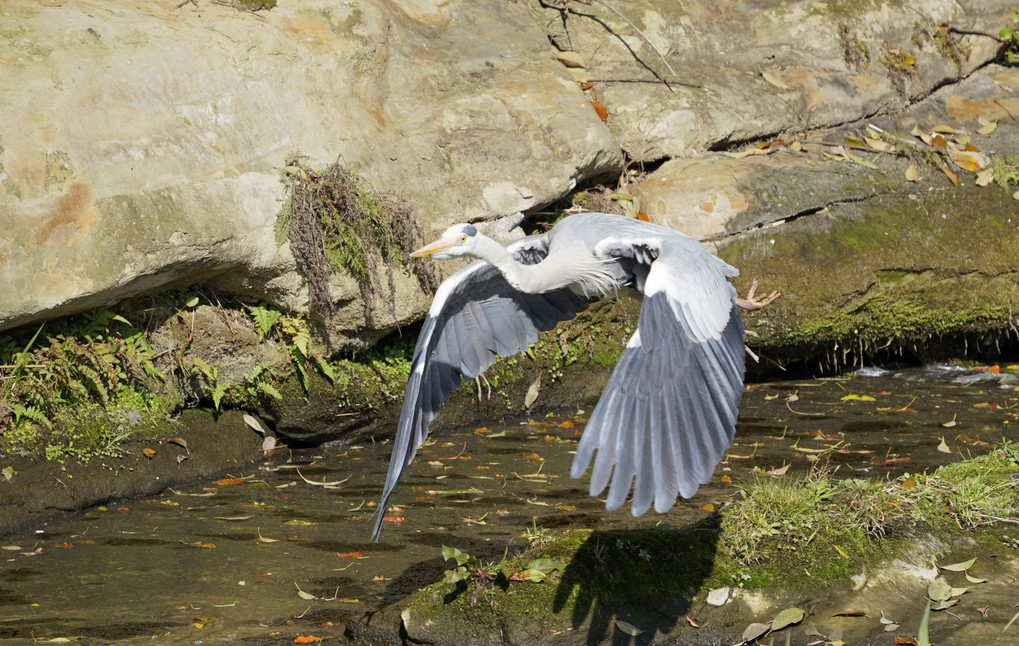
column 336, row 222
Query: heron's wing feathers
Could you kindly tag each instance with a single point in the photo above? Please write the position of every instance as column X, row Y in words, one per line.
column 669, row 410
column 475, row 316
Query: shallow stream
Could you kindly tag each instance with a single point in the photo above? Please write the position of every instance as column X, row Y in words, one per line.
column 281, row 551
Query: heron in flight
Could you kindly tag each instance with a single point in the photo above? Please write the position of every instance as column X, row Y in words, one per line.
column 669, row 410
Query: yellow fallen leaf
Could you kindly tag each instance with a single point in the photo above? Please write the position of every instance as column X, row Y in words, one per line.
column 912, row 174
column 987, row 129
column 774, row 79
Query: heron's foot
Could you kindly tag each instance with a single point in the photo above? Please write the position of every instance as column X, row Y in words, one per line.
column 753, row 355
column 478, row 380
column 750, row 303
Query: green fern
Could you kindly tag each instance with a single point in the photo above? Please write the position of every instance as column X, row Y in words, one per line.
column 264, row 318
column 31, row 413
column 270, row 390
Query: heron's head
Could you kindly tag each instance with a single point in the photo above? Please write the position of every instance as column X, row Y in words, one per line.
column 457, row 240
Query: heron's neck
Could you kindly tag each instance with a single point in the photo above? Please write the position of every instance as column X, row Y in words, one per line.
column 525, row 278
column 584, row 273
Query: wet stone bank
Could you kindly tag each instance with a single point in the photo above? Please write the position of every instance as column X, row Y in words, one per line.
column 276, row 549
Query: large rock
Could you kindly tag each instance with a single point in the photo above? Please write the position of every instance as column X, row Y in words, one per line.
column 141, row 143
column 744, row 71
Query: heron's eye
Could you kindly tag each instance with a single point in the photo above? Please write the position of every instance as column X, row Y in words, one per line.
column 463, row 238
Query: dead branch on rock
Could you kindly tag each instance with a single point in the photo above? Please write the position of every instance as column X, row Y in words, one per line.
column 564, row 6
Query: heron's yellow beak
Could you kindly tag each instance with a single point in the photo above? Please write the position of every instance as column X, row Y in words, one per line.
column 431, row 249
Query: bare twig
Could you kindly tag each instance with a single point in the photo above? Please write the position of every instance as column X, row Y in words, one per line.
column 639, row 33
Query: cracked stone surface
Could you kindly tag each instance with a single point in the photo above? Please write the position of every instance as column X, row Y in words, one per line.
column 143, row 147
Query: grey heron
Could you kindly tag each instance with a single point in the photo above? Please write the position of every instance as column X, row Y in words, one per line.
column 669, row 410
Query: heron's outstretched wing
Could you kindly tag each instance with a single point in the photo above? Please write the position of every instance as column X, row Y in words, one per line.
column 475, row 316
column 669, row 410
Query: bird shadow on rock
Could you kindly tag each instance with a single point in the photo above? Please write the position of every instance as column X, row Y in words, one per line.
column 632, row 586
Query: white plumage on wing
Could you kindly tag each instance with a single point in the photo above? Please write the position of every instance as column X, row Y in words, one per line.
column 669, row 410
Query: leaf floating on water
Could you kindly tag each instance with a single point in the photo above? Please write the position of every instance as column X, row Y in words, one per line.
column 855, row 397
column 628, row 628
column 263, row 539
column 149, row 453
column 959, row 567
column 199, row 622
column 849, row 613
column 334, row 483
column 943, row 447
column 301, row 593
column 780, row 471
column 974, row 579
column 179, row 441
column 8, row 472
column 787, row 617
column 226, row 482
column 306, row 639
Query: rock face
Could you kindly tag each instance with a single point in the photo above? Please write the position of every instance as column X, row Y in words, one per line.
column 143, row 144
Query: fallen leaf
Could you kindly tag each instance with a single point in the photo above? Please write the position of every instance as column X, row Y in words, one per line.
column 263, row 539
column 780, row 471
column 755, row 631
column 774, row 79
column 226, row 482
column 966, row 163
column 628, row 628
column 959, row 567
column 179, row 441
column 532, row 392
column 940, row 590
column 570, row 59
column 601, row 110
column 691, row 622
column 199, row 622
column 149, row 453
column 952, row 176
column 306, row 639
column 943, row 447
column 8, row 472
column 850, row 613
column 987, row 129
column 301, row 593
column 255, row 424
column 974, row 579
column 787, row 617
column 985, row 177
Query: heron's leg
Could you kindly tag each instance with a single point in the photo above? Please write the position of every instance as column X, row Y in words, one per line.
column 477, row 381
column 750, row 303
